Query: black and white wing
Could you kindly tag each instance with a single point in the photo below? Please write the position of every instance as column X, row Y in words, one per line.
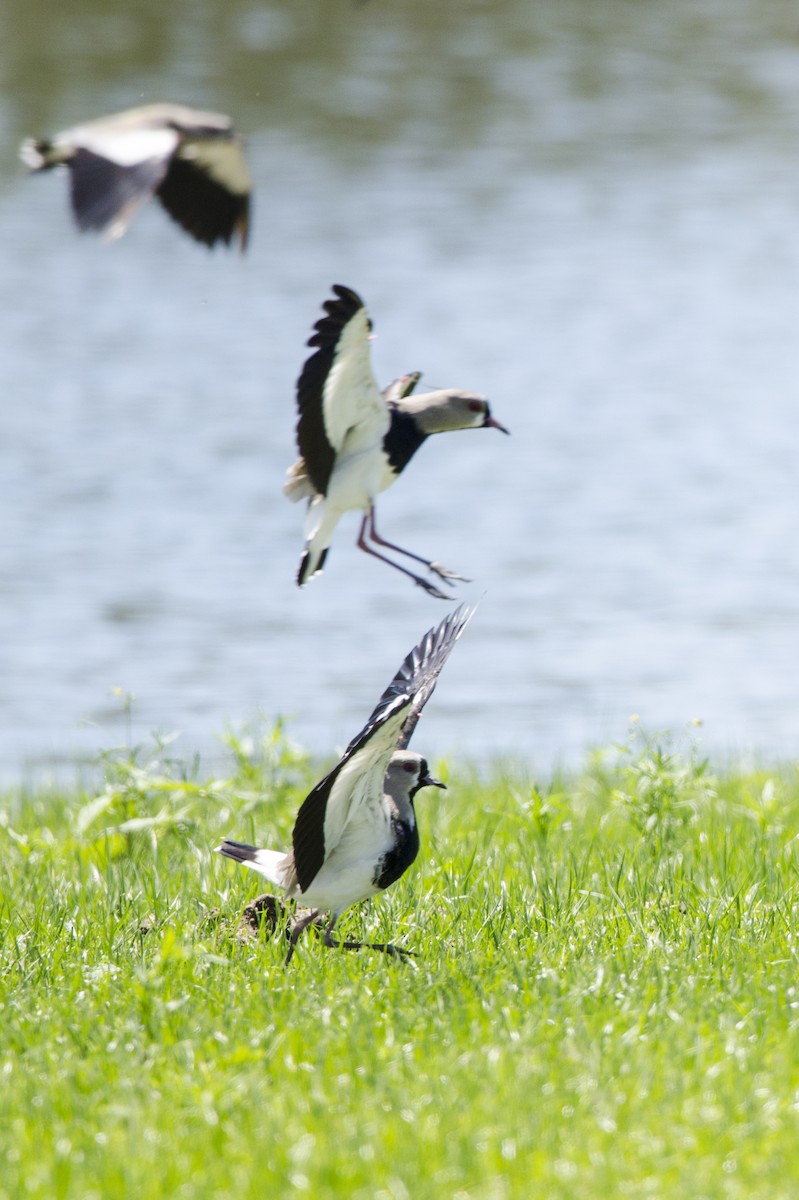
column 192, row 160
column 422, row 667
column 113, row 172
column 337, row 390
column 398, row 389
column 357, row 779
column 355, row 782
column 207, row 188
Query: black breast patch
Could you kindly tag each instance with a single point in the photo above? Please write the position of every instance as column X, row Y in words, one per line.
column 397, row 860
column 403, row 439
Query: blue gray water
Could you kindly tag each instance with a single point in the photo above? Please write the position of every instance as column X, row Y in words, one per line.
column 590, row 213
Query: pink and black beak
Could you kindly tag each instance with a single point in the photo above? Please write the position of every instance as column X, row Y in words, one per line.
column 491, row 423
column 427, row 780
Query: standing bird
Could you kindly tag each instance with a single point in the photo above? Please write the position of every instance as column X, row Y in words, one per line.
column 355, row 833
column 192, row 161
column 355, row 441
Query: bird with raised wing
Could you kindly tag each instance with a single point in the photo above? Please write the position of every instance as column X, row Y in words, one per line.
column 356, row 833
column 193, row 161
column 354, row 440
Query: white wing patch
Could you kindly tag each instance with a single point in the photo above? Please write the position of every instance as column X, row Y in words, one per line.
column 130, row 147
column 221, row 159
column 360, row 781
column 351, row 397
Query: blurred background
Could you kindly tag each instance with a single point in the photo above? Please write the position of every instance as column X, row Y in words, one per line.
column 587, row 210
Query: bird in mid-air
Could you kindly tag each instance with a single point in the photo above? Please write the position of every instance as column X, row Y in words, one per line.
column 356, row 833
column 355, row 440
column 193, row 161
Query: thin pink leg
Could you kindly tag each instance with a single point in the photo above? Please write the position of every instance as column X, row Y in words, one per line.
column 368, row 526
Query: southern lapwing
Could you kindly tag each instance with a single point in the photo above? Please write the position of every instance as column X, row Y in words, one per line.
column 355, row 441
column 356, row 833
column 192, row 161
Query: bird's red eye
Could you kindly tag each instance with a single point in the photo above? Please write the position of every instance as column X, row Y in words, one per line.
column 476, row 406
column 410, row 768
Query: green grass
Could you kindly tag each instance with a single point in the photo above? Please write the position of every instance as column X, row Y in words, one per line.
column 605, row 1000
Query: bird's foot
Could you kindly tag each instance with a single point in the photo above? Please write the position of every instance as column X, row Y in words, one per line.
column 445, row 573
column 391, row 950
column 384, row 947
column 430, row 588
column 310, row 916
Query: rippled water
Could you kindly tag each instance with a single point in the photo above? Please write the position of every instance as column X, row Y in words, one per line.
column 590, row 214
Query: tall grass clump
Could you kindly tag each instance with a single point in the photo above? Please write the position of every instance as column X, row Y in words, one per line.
column 603, row 1001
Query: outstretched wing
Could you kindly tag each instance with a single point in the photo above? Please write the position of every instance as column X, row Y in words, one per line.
column 356, row 780
column 106, row 194
column 207, row 189
column 337, row 390
column 423, row 665
column 358, row 777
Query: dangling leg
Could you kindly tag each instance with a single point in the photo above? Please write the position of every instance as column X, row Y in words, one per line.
column 442, row 572
column 298, row 930
column 422, row 583
column 329, row 939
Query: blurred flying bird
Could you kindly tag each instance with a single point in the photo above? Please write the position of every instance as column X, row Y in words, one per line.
column 192, row 161
column 355, row 441
column 356, row 833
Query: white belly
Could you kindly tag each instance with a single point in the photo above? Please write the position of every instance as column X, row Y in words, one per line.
column 347, row 874
column 356, row 479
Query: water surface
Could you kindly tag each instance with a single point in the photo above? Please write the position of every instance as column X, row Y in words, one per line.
column 589, row 212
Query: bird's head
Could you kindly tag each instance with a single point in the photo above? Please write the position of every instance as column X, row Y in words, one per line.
column 447, row 409
column 408, row 773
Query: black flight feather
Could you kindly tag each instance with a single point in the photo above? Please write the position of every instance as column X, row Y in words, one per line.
column 308, row 837
column 426, row 660
column 312, row 440
column 203, row 207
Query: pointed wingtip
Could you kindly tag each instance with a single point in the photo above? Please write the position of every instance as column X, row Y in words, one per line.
column 462, row 615
column 428, row 658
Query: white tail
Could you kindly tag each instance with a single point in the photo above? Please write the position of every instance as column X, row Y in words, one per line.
column 270, row 863
column 320, row 522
